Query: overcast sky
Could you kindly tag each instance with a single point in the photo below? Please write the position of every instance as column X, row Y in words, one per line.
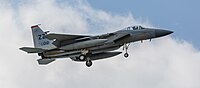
column 168, row 62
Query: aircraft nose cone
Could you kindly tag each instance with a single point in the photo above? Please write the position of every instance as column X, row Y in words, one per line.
column 159, row 32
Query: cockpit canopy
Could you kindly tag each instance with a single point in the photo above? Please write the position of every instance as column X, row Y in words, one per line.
column 135, row 27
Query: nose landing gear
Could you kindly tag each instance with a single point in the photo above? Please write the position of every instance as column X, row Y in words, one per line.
column 126, row 55
column 126, row 46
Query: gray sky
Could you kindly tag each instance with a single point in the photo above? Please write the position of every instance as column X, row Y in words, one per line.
column 167, row 62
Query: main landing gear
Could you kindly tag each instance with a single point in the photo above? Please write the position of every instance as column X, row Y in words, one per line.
column 82, row 57
column 88, row 63
column 42, row 55
column 85, row 57
column 125, row 47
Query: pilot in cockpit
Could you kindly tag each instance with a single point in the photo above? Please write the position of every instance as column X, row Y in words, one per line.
column 135, row 28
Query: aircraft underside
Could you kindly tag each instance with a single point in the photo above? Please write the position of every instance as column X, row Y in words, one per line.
column 84, row 48
column 88, row 55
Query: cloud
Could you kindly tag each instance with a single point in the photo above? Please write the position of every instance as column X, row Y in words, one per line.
column 163, row 63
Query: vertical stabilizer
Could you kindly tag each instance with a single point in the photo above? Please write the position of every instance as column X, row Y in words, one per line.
column 39, row 38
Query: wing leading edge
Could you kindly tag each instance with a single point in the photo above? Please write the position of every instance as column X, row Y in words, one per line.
column 61, row 37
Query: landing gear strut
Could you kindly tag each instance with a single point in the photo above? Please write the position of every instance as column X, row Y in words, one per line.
column 85, row 56
column 126, row 46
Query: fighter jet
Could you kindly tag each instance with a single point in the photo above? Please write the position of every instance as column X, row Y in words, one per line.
column 87, row 48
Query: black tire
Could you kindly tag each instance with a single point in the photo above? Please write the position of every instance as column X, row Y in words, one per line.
column 42, row 55
column 126, row 55
column 88, row 63
column 82, row 57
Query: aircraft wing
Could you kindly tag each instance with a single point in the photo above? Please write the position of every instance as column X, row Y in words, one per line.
column 61, row 37
column 97, row 56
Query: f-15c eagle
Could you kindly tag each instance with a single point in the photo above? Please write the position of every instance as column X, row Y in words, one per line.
column 84, row 48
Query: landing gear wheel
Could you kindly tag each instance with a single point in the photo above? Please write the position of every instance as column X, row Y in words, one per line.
column 125, row 47
column 88, row 63
column 82, row 57
column 42, row 55
column 126, row 55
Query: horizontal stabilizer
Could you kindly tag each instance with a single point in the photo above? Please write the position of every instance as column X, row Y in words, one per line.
column 45, row 61
column 32, row 50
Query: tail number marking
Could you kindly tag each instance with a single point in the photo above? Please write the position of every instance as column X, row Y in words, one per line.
column 40, row 37
column 44, row 43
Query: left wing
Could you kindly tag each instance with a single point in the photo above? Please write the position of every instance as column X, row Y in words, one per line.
column 61, row 37
column 97, row 56
column 64, row 37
